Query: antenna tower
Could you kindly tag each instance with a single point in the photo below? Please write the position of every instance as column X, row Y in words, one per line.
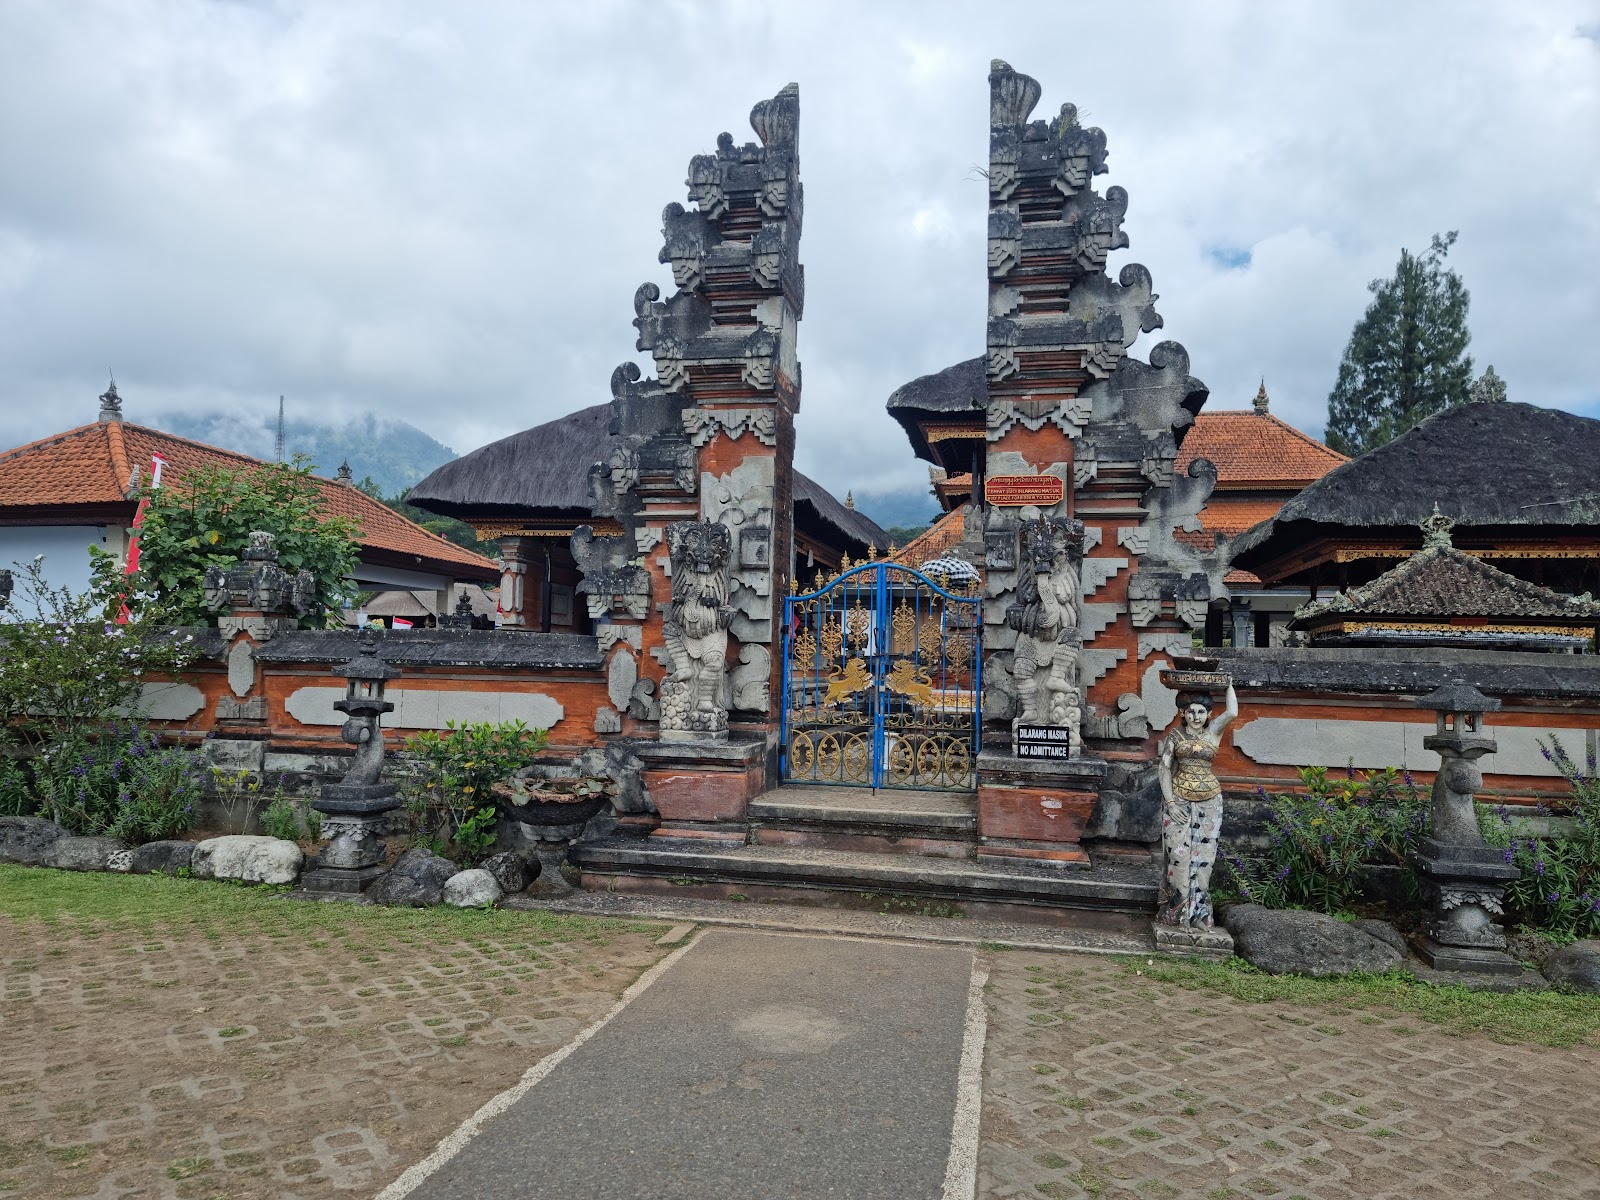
column 278, row 447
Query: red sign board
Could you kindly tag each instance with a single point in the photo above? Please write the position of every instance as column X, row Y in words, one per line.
column 1014, row 491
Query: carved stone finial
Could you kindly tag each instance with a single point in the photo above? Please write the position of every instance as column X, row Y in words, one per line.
column 1012, row 94
column 344, row 475
column 110, row 404
column 1436, row 530
column 1260, row 402
column 850, row 501
column 262, row 548
column 777, row 121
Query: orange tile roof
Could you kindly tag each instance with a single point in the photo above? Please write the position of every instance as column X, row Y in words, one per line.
column 100, row 464
column 933, row 541
column 1256, row 450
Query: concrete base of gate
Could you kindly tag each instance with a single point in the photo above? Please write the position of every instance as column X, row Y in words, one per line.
column 886, row 821
column 702, row 789
column 1036, row 810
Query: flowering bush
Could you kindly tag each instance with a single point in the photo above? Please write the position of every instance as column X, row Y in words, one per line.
column 1319, row 844
column 459, row 767
column 122, row 783
column 1559, row 892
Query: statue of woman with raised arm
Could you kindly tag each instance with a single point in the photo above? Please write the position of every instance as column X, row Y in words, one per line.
column 1191, row 817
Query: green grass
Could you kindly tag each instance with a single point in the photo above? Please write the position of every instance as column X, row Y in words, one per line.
column 1546, row 1018
column 147, row 904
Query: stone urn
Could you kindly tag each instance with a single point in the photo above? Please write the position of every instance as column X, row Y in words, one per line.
column 545, row 816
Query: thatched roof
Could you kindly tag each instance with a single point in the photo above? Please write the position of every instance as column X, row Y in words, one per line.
column 953, row 393
column 859, row 528
column 544, row 471
column 1504, row 464
column 544, row 468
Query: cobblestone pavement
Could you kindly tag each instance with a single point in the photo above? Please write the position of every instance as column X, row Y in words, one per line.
column 1098, row 1084
column 190, row 1065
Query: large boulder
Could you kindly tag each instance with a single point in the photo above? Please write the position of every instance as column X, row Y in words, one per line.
column 416, row 880
column 1284, row 942
column 471, row 889
column 247, row 858
column 81, row 853
column 511, row 871
column 162, row 858
column 27, row 840
column 1576, row 966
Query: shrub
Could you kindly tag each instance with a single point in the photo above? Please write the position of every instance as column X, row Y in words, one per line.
column 15, row 797
column 1559, row 892
column 1319, row 844
column 120, row 783
column 241, row 794
column 280, row 820
column 459, row 766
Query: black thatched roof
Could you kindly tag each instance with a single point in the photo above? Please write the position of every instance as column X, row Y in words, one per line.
column 545, row 471
column 958, row 391
column 544, row 468
column 859, row 528
column 1490, row 465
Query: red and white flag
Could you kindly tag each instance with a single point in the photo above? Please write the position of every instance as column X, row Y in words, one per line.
column 399, row 623
column 132, row 564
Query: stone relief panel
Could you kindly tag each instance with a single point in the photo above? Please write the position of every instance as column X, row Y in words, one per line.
column 743, row 502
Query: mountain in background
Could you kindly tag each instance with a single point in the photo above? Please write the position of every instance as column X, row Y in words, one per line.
column 391, row 452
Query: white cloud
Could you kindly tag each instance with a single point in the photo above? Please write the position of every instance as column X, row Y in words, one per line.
column 441, row 214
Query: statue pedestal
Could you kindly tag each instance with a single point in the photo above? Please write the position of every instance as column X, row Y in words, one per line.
column 1465, row 885
column 1035, row 810
column 701, row 789
column 353, row 857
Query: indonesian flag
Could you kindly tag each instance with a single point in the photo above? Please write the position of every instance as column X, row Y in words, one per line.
column 399, row 623
column 132, row 565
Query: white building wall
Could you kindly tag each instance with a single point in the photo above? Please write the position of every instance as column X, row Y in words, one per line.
column 66, row 555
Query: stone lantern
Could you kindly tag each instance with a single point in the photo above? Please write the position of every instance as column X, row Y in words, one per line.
column 354, row 807
column 1465, row 875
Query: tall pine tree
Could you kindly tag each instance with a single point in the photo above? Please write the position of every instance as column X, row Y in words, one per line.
column 1407, row 357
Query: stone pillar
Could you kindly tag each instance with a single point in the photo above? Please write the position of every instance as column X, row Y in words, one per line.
column 353, row 808
column 1077, row 430
column 1243, row 627
column 1465, row 875
column 513, row 576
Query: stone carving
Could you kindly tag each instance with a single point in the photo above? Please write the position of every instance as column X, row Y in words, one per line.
column 614, row 581
column 743, row 501
column 1069, row 416
column 607, row 636
column 702, row 424
column 750, row 683
column 257, row 584
column 621, row 675
column 607, row 720
column 1045, row 618
column 696, row 631
column 1192, row 798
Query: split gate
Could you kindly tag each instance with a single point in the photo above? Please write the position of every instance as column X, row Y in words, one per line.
column 881, row 681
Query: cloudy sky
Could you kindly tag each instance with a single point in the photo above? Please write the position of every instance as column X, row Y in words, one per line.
column 441, row 212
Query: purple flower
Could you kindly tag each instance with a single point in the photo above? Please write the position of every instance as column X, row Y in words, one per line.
column 1539, row 867
column 1554, row 897
column 1510, row 856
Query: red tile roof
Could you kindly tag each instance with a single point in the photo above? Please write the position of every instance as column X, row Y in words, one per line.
column 936, row 540
column 1256, row 450
column 101, row 464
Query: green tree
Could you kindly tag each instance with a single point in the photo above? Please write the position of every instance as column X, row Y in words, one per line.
column 448, row 528
column 1407, row 356
column 206, row 517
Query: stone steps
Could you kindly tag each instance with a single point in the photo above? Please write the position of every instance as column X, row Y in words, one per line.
column 934, row 824
column 1105, row 895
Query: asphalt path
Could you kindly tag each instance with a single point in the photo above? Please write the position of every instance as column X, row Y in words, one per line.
column 758, row 1065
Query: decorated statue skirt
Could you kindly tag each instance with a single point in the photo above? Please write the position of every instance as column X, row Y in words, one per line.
column 1189, row 831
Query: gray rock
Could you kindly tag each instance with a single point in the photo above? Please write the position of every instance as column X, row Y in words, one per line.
column 247, row 858
column 416, row 880
column 1576, row 966
column 471, row 889
column 27, row 840
column 1384, row 932
column 1283, row 942
column 121, row 862
column 511, row 871
column 81, row 853
column 168, row 858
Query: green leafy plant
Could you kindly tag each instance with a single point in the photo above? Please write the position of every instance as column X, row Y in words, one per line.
column 459, row 767
column 205, row 519
column 242, row 795
column 16, row 799
column 1320, row 843
column 119, row 782
column 1559, row 892
column 280, row 820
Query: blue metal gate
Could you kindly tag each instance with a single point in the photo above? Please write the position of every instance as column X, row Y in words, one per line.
column 881, row 681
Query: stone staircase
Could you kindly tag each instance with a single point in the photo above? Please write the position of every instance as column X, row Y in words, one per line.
column 852, row 847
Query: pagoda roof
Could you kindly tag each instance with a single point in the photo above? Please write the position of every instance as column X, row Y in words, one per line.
column 1484, row 465
column 1439, row 583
